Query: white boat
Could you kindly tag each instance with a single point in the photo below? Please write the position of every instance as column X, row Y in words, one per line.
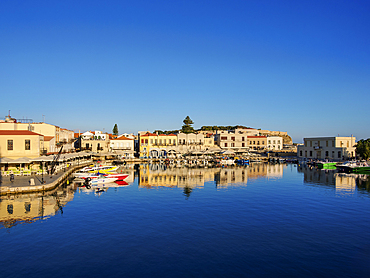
column 100, row 168
column 101, row 180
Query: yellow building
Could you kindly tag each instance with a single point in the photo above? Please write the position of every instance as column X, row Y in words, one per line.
column 50, row 131
column 20, row 143
column 157, row 145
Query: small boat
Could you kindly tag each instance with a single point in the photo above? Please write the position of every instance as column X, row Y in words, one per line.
column 354, row 167
column 326, row 164
column 100, row 168
column 101, row 180
column 119, row 177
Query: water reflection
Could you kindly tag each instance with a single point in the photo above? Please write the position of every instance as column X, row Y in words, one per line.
column 159, row 175
column 342, row 183
column 28, row 208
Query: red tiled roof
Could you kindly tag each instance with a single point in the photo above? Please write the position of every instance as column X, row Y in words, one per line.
column 122, row 138
column 149, row 134
column 18, row 132
column 48, row 138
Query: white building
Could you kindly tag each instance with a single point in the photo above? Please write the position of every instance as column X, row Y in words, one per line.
column 123, row 146
column 274, row 143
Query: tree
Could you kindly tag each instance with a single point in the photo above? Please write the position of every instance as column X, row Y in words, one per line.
column 115, row 130
column 363, row 148
column 187, row 128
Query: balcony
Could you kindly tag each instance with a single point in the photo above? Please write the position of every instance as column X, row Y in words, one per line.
column 122, row 148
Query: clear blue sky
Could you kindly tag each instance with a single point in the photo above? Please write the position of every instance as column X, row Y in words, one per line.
column 296, row 66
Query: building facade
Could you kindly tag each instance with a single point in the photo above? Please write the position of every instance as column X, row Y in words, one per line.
column 153, row 145
column 123, row 146
column 257, row 143
column 96, row 141
column 332, row 148
column 274, row 143
column 20, row 143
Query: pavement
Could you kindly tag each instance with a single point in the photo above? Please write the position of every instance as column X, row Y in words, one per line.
column 24, row 181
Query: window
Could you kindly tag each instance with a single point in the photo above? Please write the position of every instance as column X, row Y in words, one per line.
column 142, row 141
column 225, row 144
column 310, row 153
column 10, row 145
column 232, row 144
column 332, row 143
column 242, row 138
column 310, row 143
column 27, row 146
column 243, row 144
column 300, row 153
column 146, row 141
column 347, row 144
column 232, row 138
column 327, row 143
column 326, row 153
column 339, row 154
column 223, row 138
column 151, row 141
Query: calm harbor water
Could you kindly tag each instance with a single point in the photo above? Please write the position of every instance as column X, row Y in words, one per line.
column 258, row 221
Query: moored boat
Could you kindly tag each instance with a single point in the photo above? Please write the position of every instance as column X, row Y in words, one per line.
column 326, row 164
column 354, row 167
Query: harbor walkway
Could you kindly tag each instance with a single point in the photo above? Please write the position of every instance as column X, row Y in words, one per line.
column 22, row 184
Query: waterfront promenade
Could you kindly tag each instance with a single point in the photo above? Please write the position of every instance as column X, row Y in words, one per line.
column 22, row 184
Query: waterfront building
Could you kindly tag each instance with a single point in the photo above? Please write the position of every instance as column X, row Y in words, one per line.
column 190, row 142
column 16, row 144
column 235, row 139
column 54, row 135
column 153, row 145
column 95, row 141
column 333, row 148
column 257, row 143
column 123, row 146
column 274, row 143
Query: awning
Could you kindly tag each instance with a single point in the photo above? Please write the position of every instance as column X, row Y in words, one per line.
column 20, row 160
column 5, row 160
